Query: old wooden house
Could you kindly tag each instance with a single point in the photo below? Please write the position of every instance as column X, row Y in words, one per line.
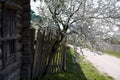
column 15, row 49
column 16, row 45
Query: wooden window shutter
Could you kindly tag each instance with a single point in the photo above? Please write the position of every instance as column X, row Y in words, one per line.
column 8, row 36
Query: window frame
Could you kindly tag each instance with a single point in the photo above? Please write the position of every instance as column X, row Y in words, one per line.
column 8, row 35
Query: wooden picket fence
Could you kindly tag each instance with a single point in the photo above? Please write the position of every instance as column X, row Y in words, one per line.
column 42, row 52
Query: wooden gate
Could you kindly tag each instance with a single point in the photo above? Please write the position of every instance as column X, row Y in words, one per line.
column 43, row 52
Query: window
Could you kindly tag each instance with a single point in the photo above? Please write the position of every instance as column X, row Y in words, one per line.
column 8, row 35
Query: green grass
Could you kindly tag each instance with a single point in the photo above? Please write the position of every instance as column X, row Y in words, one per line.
column 113, row 53
column 78, row 69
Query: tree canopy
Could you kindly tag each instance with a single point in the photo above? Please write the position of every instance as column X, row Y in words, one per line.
column 81, row 21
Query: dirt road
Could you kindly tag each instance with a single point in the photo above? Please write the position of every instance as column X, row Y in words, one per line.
column 104, row 63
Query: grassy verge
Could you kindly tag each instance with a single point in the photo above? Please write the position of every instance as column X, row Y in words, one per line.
column 78, row 69
column 113, row 53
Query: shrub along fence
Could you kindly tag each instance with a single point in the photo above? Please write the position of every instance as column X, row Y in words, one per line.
column 44, row 44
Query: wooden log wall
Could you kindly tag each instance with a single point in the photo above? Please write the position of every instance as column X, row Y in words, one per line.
column 0, row 37
column 21, row 67
column 26, row 41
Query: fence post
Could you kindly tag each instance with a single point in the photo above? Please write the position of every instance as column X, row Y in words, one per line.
column 32, row 32
column 64, row 58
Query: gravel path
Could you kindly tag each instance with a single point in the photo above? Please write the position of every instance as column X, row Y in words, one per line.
column 104, row 63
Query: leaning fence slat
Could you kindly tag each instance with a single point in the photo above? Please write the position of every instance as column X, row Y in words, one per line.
column 45, row 42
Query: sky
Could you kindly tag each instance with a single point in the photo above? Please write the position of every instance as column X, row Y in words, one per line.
column 36, row 4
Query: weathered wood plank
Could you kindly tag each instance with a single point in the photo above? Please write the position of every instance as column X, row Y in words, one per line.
column 9, row 38
column 13, row 5
column 7, row 71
